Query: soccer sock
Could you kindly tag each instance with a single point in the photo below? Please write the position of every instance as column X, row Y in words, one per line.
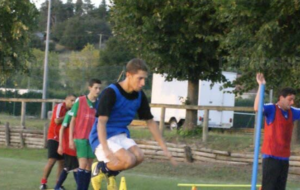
column 113, row 173
column 43, row 181
column 75, row 177
column 87, row 178
column 80, row 179
column 102, row 166
column 62, row 178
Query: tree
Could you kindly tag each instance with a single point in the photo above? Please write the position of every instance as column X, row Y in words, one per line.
column 79, row 8
column 75, row 25
column 59, row 13
column 82, row 30
column 17, row 20
column 81, row 67
column 177, row 37
column 32, row 80
column 74, row 36
column 263, row 36
column 116, row 52
column 88, row 6
column 102, row 10
column 69, row 9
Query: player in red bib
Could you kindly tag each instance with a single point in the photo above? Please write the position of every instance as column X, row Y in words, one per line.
column 83, row 117
column 70, row 158
column 278, row 128
column 58, row 115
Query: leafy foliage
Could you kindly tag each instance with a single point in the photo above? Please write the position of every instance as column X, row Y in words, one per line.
column 263, row 36
column 116, row 52
column 32, row 80
column 177, row 37
column 17, row 20
column 81, row 66
column 79, row 31
column 76, row 24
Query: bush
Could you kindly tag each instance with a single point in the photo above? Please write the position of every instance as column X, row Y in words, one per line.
column 190, row 133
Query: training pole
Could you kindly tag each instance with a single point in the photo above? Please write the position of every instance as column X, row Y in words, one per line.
column 257, row 136
column 45, row 78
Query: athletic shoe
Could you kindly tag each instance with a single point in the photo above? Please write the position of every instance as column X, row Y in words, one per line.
column 111, row 183
column 97, row 176
column 43, row 186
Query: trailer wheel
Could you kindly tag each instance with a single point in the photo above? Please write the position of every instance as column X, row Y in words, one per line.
column 173, row 124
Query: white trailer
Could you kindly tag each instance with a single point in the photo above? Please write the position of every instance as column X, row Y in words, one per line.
column 174, row 92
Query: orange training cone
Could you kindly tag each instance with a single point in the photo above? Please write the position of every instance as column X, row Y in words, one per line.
column 123, row 184
column 194, row 188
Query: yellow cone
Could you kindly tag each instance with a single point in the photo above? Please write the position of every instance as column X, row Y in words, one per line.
column 194, row 188
column 123, row 184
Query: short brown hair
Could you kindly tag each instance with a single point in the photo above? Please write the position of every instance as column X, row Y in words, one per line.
column 94, row 81
column 286, row 91
column 134, row 65
column 70, row 95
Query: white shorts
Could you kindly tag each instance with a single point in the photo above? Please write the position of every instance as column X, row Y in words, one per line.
column 114, row 143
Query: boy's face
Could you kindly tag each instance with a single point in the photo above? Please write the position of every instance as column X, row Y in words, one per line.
column 95, row 89
column 70, row 101
column 137, row 80
column 287, row 102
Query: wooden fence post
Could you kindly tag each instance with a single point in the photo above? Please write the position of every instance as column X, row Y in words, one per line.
column 295, row 137
column 205, row 126
column 45, row 134
column 7, row 135
column 22, row 140
column 53, row 105
column 23, row 114
column 162, row 120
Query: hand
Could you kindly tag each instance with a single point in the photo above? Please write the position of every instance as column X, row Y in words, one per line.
column 260, row 78
column 60, row 150
column 110, row 156
column 72, row 144
column 172, row 160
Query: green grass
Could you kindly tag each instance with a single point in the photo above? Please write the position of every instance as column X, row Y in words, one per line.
column 21, row 169
column 30, row 122
column 228, row 142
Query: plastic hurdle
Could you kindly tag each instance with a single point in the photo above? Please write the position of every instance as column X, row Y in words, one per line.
column 194, row 186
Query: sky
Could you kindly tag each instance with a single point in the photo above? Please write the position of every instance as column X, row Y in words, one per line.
column 39, row 2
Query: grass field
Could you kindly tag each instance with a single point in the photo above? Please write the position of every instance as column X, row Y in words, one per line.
column 31, row 122
column 21, row 169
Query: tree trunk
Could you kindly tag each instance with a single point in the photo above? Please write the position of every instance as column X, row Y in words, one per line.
column 191, row 115
column 296, row 133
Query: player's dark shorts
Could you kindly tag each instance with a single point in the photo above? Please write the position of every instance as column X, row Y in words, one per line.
column 52, row 150
column 275, row 174
column 70, row 162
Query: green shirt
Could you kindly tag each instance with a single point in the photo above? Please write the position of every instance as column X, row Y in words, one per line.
column 75, row 107
column 67, row 119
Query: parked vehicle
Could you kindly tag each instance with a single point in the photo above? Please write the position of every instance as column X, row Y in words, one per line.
column 175, row 92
